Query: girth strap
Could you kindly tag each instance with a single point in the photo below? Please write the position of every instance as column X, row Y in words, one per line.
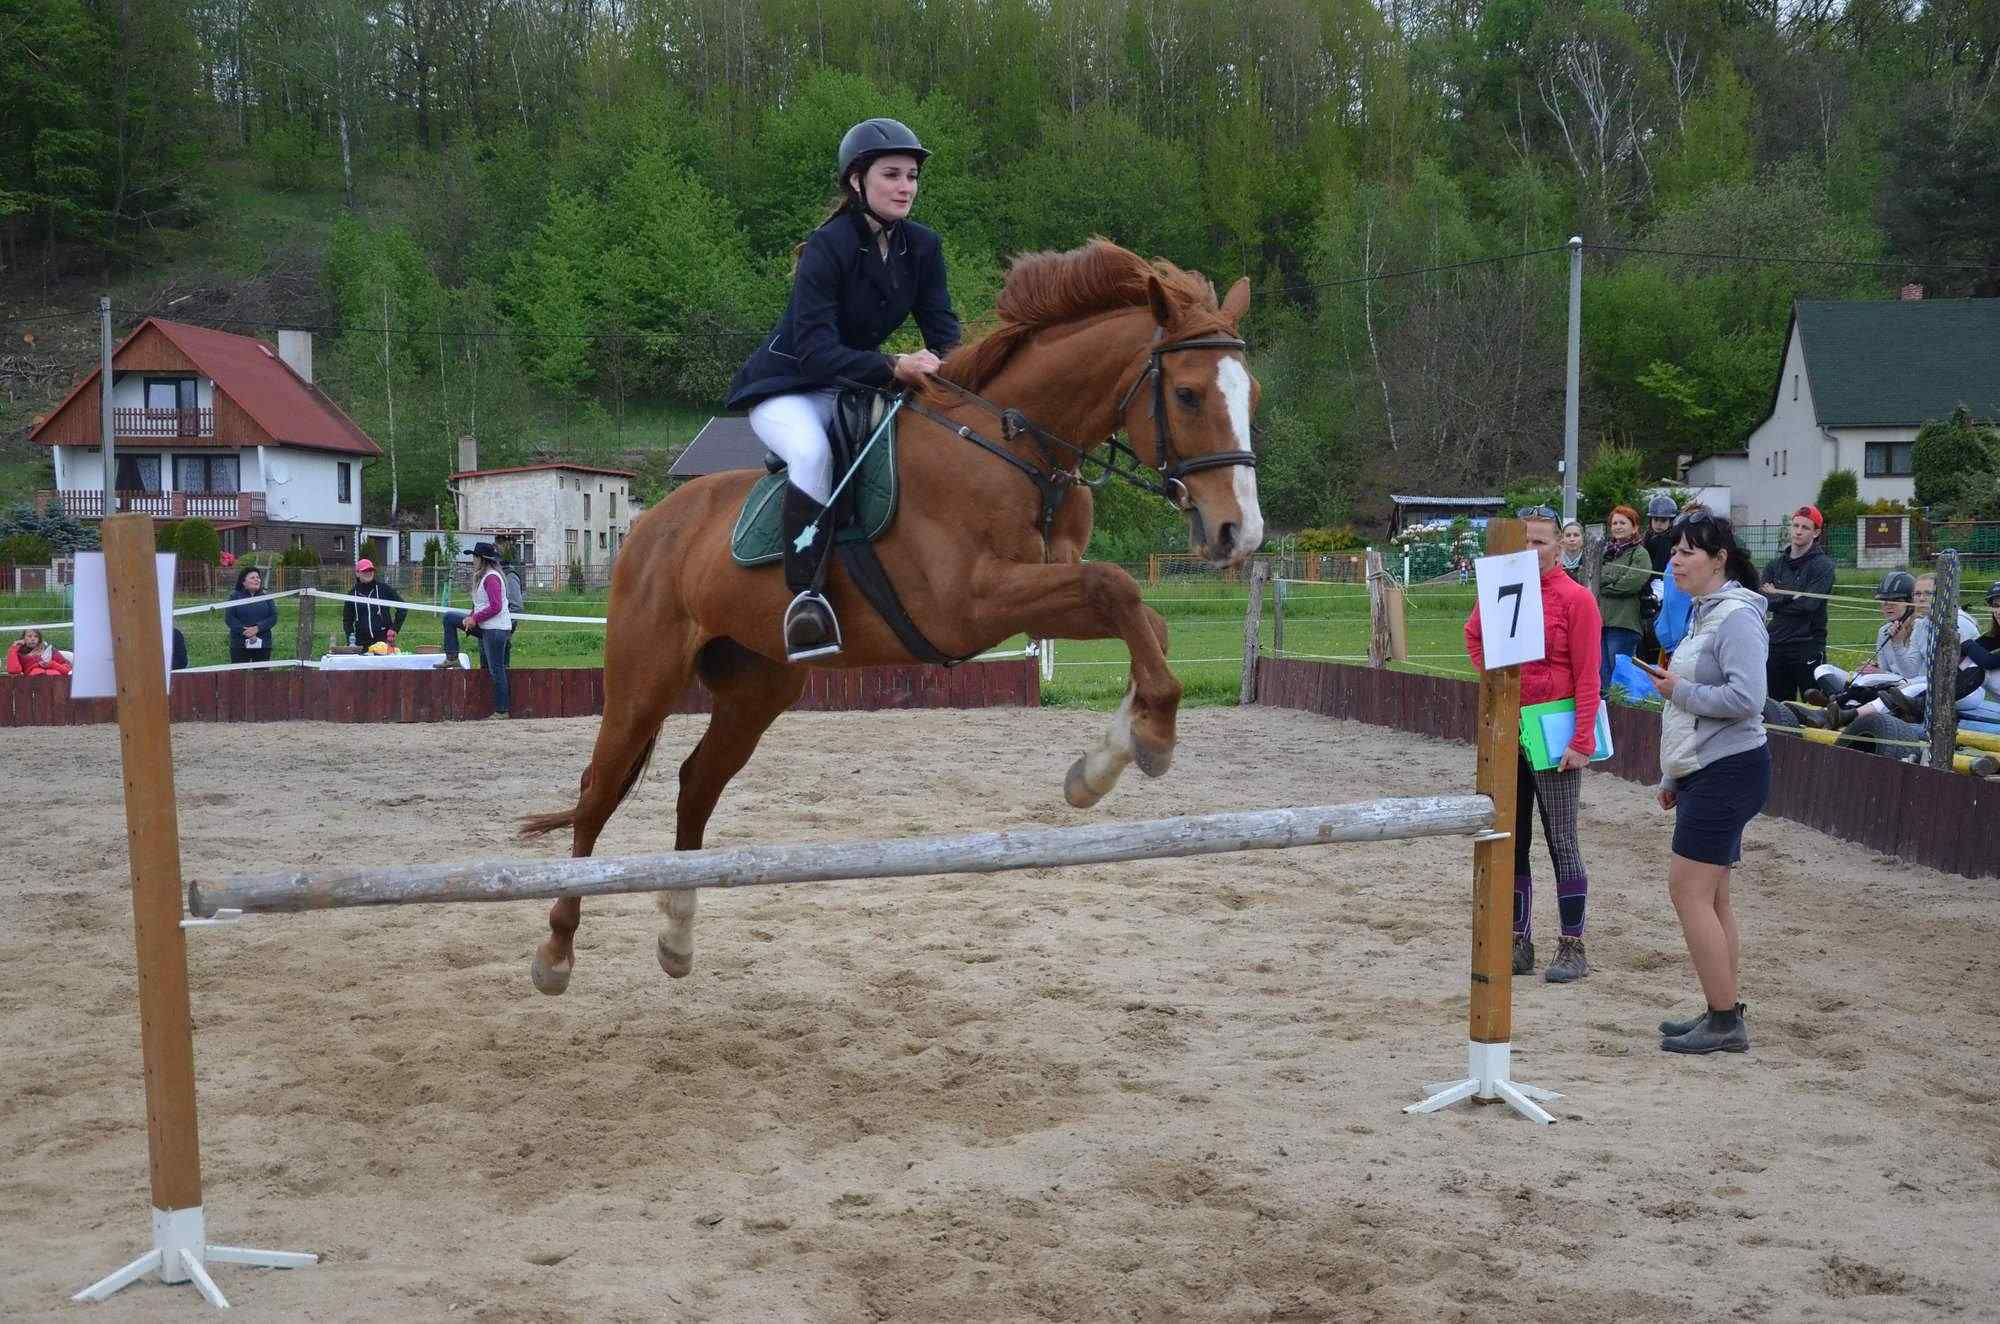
column 866, row 570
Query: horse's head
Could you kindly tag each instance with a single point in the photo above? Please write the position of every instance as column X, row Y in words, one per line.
column 1188, row 410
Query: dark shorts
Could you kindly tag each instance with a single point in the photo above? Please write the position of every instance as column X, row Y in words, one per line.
column 1713, row 804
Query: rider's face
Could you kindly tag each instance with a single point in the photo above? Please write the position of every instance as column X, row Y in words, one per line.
column 891, row 185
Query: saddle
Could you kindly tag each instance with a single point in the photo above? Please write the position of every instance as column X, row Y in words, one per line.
column 866, row 506
column 863, row 512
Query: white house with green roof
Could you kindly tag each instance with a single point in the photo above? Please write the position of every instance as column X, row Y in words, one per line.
column 1857, row 381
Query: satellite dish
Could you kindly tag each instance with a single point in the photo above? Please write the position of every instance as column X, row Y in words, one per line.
column 279, row 473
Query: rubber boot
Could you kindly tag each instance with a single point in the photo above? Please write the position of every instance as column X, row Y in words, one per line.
column 811, row 629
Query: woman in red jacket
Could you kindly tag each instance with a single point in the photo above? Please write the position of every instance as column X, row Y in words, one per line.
column 32, row 655
column 1572, row 631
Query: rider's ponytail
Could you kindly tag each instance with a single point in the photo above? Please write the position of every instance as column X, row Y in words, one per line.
column 835, row 205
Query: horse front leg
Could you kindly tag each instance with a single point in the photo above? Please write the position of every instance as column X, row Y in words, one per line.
column 1094, row 601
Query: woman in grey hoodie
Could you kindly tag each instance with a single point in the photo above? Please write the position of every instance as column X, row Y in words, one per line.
column 1715, row 766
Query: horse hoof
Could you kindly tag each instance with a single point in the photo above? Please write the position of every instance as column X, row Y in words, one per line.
column 550, row 979
column 1153, row 760
column 1077, row 791
column 678, row 965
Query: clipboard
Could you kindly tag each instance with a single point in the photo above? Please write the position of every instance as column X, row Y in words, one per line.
column 1547, row 728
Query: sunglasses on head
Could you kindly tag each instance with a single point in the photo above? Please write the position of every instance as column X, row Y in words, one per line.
column 1692, row 518
column 1536, row 512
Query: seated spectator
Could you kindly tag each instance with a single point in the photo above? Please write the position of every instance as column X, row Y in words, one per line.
column 1902, row 649
column 250, row 627
column 370, row 624
column 1621, row 585
column 33, row 655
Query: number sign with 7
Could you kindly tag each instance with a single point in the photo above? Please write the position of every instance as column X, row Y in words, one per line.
column 1510, row 608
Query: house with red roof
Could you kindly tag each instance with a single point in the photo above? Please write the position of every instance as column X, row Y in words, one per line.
column 220, row 427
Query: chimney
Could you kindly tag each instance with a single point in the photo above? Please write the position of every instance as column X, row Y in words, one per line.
column 296, row 349
column 468, row 453
column 1911, row 293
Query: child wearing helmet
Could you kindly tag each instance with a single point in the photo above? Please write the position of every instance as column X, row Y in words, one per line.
column 859, row 276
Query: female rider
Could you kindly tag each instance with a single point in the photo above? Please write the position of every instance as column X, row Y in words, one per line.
column 858, row 276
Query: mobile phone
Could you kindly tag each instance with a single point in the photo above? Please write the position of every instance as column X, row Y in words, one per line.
column 1649, row 667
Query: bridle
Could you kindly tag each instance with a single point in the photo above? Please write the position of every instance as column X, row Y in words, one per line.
column 1170, row 467
column 1066, row 460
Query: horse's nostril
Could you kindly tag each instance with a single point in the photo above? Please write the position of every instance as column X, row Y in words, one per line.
column 1225, row 537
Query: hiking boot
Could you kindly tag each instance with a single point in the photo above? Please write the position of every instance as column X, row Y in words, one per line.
column 1817, row 698
column 810, row 627
column 1569, row 964
column 1711, row 1036
column 1984, row 765
column 1524, row 956
column 1674, row 1029
column 1839, row 719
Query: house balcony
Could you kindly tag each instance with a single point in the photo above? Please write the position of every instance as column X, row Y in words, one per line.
column 88, row 503
column 163, row 423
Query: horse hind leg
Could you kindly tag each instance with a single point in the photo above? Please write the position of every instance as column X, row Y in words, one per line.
column 750, row 691
column 625, row 742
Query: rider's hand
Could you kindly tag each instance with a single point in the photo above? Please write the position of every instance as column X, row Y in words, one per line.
column 911, row 369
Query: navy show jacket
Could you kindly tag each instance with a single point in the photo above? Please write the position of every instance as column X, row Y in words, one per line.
column 846, row 300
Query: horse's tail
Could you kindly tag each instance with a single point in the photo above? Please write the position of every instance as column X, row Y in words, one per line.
column 537, row 825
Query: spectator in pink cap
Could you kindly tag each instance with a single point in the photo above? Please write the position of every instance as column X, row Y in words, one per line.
column 372, row 622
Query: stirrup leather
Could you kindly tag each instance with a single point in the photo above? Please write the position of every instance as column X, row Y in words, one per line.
column 811, row 602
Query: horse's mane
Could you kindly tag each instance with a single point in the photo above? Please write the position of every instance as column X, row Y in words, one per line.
column 1043, row 289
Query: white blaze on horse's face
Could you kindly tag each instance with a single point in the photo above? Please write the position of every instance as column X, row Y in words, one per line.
column 1233, row 380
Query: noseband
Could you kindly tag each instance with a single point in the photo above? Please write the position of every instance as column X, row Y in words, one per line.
column 1171, row 468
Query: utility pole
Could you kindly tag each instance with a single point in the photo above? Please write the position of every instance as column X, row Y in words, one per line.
column 104, row 404
column 1570, row 388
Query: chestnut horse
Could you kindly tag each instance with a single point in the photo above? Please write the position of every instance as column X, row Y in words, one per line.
column 1079, row 334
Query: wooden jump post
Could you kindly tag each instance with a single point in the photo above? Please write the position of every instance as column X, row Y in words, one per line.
column 839, row 861
column 166, row 1028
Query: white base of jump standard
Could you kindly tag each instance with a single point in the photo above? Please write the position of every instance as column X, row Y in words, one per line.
column 181, row 1253
column 1489, row 1083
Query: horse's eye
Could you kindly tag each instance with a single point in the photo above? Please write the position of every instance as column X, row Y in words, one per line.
column 1187, row 396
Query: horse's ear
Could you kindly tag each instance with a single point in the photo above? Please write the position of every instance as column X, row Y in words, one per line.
column 1163, row 308
column 1238, row 302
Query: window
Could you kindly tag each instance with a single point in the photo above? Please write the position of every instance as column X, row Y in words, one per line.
column 586, row 507
column 613, row 512
column 173, row 408
column 1888, row 459
column 205, row 473
column 343, row 482
column 298, row 540
column 340, row 543
column 138, row 473
column 601, row 543
column 1795, row 386
column 569, row 544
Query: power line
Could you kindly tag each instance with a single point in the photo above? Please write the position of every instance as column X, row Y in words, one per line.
column 1793, row 261
column 1419, row 271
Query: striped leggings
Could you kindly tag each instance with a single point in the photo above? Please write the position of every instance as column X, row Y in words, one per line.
column 1558, row 794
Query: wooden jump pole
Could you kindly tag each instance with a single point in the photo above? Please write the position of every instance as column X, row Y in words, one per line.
column 826, row 862
column 166, row 1025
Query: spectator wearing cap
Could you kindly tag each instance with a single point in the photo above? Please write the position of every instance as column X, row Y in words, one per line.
column 1670, row 626
column 1622, row 582
column 489, row 621
column 372, row 622
column 1572, row 632
column 1659, row 544
column 1796, row 584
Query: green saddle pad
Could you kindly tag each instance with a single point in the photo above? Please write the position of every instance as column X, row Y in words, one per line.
column 759, row 535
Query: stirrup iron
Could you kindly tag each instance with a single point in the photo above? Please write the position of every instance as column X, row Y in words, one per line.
column 807, row 601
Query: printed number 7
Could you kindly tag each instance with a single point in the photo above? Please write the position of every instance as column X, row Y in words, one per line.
column 1513, row 591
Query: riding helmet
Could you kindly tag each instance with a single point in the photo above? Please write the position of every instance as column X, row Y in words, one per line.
column 1993, row 593
column 1662, row 507
column 1898, row 586
column 872, row 138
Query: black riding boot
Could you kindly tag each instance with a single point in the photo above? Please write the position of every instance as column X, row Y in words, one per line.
column 811, row 630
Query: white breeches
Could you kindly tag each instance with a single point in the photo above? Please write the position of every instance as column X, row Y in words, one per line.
column 794, row 427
